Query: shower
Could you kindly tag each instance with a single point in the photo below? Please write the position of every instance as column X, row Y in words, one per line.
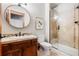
column 64, row 27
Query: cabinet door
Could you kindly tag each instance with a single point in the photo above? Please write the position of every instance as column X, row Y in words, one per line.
column 34, row 50
column 30, row 51
column 16, row 52
column 7, row 54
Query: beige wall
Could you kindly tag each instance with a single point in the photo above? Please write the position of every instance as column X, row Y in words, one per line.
column 54, row 29
column 66, row 21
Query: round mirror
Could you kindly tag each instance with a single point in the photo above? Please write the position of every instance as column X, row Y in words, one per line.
column 17, row 16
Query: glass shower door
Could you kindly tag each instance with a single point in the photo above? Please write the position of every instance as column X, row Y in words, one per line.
column 64, row 31
column 54, row 33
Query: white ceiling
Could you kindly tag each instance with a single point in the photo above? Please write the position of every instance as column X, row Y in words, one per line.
column 53, row 5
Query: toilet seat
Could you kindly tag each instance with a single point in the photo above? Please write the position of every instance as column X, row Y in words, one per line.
column 46, row 45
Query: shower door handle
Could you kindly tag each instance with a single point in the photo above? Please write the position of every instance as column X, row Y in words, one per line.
column 76, row 22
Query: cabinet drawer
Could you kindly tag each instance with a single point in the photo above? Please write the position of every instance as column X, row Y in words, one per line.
column 34, row 42
column 6, row 47
column 27, row 43
column 15, row 52
column 16, row 45
column 21, row 44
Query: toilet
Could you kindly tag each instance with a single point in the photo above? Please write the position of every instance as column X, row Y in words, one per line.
column 45, row 47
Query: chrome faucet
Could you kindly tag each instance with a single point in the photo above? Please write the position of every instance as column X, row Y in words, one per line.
column 19, row 33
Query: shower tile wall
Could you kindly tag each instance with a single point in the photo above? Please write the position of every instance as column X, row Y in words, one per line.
column 68, row 32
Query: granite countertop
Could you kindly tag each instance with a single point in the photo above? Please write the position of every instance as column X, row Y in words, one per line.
column 18, row 38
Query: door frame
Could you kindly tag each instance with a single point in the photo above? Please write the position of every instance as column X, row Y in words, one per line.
column 0, row 26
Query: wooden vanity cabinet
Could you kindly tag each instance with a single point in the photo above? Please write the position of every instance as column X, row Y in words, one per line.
column 31, row 50
column 20, row 48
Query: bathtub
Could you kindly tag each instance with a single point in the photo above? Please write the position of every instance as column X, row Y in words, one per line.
column 66, row 49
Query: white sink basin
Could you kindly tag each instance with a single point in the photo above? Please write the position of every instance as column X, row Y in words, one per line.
column 18, row 38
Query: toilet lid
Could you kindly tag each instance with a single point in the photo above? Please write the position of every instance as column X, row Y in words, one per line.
column 46, row 44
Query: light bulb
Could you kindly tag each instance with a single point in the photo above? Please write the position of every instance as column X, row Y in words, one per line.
column 56, row 17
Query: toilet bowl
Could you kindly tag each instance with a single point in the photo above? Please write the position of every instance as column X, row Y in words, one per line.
column 46, row 45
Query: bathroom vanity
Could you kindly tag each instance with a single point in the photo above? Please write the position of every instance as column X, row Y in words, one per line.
column 16, row 44
column 20, row 46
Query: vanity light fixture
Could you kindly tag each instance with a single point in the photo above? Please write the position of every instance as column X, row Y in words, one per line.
column 77, row 6
column 21, row 4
